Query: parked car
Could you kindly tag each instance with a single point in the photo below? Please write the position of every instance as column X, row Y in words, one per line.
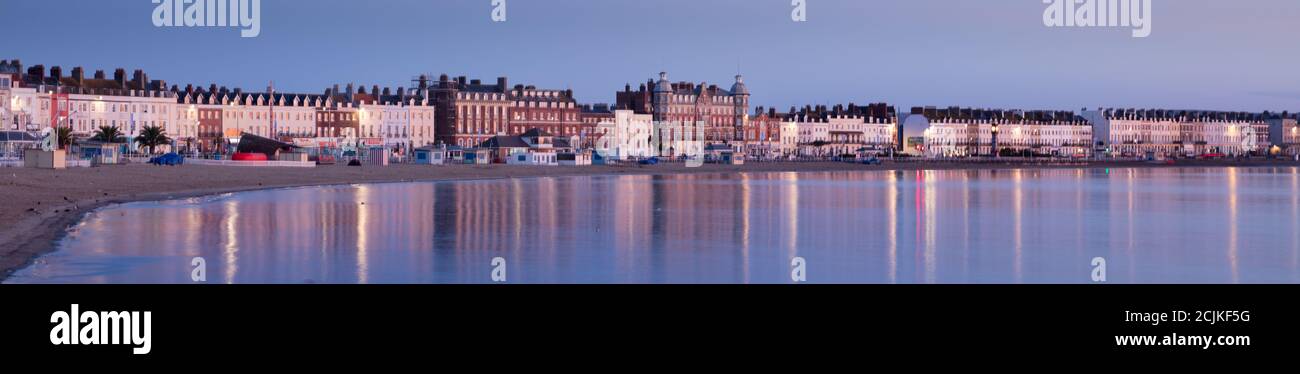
column 870, row 161
column 170, row 159
column 649, row 161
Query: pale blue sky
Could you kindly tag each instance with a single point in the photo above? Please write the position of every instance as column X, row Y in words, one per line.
column 1202, row 54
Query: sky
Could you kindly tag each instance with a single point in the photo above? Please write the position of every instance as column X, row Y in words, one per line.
column 1201, row 54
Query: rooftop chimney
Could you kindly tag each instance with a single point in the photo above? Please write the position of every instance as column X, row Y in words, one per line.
column 119, row 76
column 37, row 72
column 79, row 75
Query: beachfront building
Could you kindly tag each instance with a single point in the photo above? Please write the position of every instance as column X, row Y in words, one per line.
column 845, row 130
column 675, row 139
column 86, row 104
column 789, row 136
column 962, row 132
column 719, row 113
column 814, row 134
column 625, row 135
column 469, row 112
column 218, row 116
column 762, row 133
column 24, row 107
column 1178, row 133
column 1284, row 133
column 554, row 111
column 402, row 122
column 593, row 116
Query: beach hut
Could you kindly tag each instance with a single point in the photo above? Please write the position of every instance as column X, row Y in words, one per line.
column 430, row 155
column 579, row 158
column 100, row 153
column 476, row 156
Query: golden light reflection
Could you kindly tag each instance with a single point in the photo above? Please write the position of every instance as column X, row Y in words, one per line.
column 746, row 195
column 364, row 195
column 929, row 179
column 1132, row 200
column 891, row 200
column 1232, row 224
column 792, row 214
column 1018, row 198
column 232, row 239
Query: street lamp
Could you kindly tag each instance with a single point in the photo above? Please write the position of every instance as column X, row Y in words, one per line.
column 996, row 154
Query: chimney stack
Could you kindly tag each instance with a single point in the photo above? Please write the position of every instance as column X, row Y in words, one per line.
column 119, row 76
column 79, row 75
column 56, row 73
column 501, row 82
column 38, row 73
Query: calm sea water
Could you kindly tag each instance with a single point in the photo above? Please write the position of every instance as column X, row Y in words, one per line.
column 1030, row 226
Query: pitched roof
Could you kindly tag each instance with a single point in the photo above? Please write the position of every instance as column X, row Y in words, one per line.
column 504, row 141
column 535, row 133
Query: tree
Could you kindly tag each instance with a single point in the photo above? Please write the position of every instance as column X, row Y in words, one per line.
column 151, row 137
column 64, row 135
column 109, row 134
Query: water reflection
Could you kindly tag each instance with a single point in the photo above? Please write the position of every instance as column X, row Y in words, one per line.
column 1031, row 226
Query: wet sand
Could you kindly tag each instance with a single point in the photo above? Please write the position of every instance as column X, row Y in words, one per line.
column 40, row 205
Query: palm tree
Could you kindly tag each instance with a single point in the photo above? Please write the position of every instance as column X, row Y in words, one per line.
column 152, row 137
column 65, row 136
column 109, row 134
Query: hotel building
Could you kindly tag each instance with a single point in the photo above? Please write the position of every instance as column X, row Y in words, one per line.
column 1178, row 133
column 719, row 114
column 961, row 132
column 553, row 111
column 469, row 112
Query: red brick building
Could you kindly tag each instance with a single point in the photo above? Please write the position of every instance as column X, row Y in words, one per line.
column 553, row 111
column 469, row 112
column 723, row 113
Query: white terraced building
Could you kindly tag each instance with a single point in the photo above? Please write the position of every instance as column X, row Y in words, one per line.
column 625, row 136
column 1169, row 133
column 85, row 105
column 959, row 132
column 845, row 130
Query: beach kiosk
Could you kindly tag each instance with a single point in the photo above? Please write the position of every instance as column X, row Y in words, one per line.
column 100, row 153
column 430, row 155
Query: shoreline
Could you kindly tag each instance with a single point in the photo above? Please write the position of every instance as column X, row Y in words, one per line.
column 44, row 204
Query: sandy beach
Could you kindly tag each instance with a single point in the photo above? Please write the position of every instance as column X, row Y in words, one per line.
column 40, row 205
